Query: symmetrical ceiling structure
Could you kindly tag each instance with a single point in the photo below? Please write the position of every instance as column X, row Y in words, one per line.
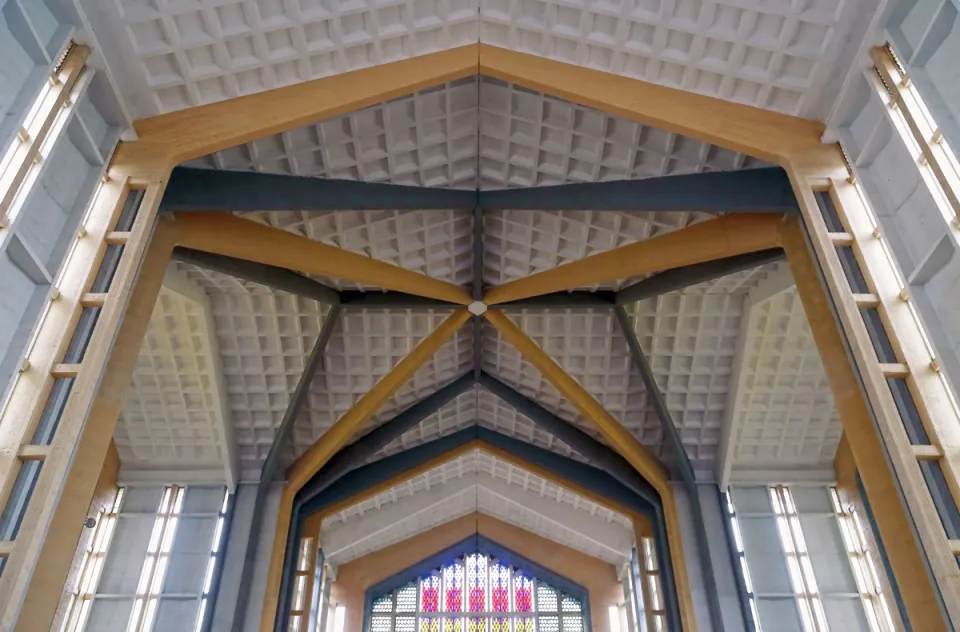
column 729, row 347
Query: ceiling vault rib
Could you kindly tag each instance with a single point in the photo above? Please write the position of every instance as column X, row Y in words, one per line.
column 237, row 191
column 270, row 276
column 685, row 276
column 232, row 236
column 271, row 464
column 726, row 236
column 682, row 459
column 765, row 190
column 597, row 454
column 361, row 450
column 477, row 288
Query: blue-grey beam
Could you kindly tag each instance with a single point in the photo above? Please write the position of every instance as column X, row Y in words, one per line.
column 361, row 450
column 685, row 276
column 216, row 190
column 682, row 461
column 764, row 190
column 262, row 274
column 271, row 464
column 592, row 450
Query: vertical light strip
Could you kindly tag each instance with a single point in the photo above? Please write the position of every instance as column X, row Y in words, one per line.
column 339, row 617
column 298, row 610
column 744, row 570
column 21, row 161
column 92, row 567
column 798, row 560
column 651, row 577
column 868, row 581
column 155, row 565
column 213, row 561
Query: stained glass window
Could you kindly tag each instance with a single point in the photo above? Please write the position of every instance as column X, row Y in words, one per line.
column 476, row 593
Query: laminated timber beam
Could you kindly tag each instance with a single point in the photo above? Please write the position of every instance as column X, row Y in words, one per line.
column 725, row 236
column 28, row 588
column 582, row 479
column 232, row 236
column 760, row 133
column 217, row 190
column 310, row 462
column 194, row 132
column 764, row 190
column 685, row 276
column 621, row 439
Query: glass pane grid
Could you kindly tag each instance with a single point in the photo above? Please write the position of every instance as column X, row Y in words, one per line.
column 155, row 566
column 798, row 561
column 476, row 593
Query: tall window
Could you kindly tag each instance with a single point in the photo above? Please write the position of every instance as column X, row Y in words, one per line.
column 91, row 567
column 22, row 160
column 155, row 566
column 798, row 560
column 652, row 587
column 216, row 548
column 854, row 538
column 477, row 593
column 742, row 567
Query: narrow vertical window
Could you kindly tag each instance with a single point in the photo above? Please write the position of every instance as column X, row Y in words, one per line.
column 742, row 567
column 215, row 558
column 22, row 160
column 299, row 610
column 798, row 560
column 650, row 578
column 155, row 566
column 868, row 581
column 91, row 567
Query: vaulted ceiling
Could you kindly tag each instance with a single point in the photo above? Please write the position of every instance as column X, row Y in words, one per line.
column 733, row 355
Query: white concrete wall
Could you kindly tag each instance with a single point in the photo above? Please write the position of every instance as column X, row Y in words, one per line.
column 228, row 613
column 926, row 34
column 719, row 554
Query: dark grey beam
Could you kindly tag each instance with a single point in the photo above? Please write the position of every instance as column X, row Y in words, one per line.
column 685, row 276
column 477, row 290
column 361, row 450
column 215, row 190
column 270, row 276
column 749, row 191
column 599, row 455
column 564, row 300
column 271, row 464
column 354, row 299
column 682, row 459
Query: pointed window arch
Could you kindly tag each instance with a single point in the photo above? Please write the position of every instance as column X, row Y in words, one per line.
column 477, row 589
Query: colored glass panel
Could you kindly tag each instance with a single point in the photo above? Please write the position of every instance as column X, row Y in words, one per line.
column 522, row 593
column 477, row 582
column 500, row 587
column 453, row 587
column 452, row 625
column 525, row 625
column 430, row 594
column 407, row 599
column 430, row 624
column 500, row 624
column 477, row 624
column 546, row 598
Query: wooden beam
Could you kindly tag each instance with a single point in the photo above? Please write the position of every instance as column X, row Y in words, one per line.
column 760, row 133
column 198, row 131
column 29, row 600
column 612, row 430
column 616, row 435
column 233, row 236
column 725, row 236
column 865, row 441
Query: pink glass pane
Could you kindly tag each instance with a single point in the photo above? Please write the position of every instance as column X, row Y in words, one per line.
column 523, row 593
column 500, row 587
column 453, row 586
column 430, row 594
